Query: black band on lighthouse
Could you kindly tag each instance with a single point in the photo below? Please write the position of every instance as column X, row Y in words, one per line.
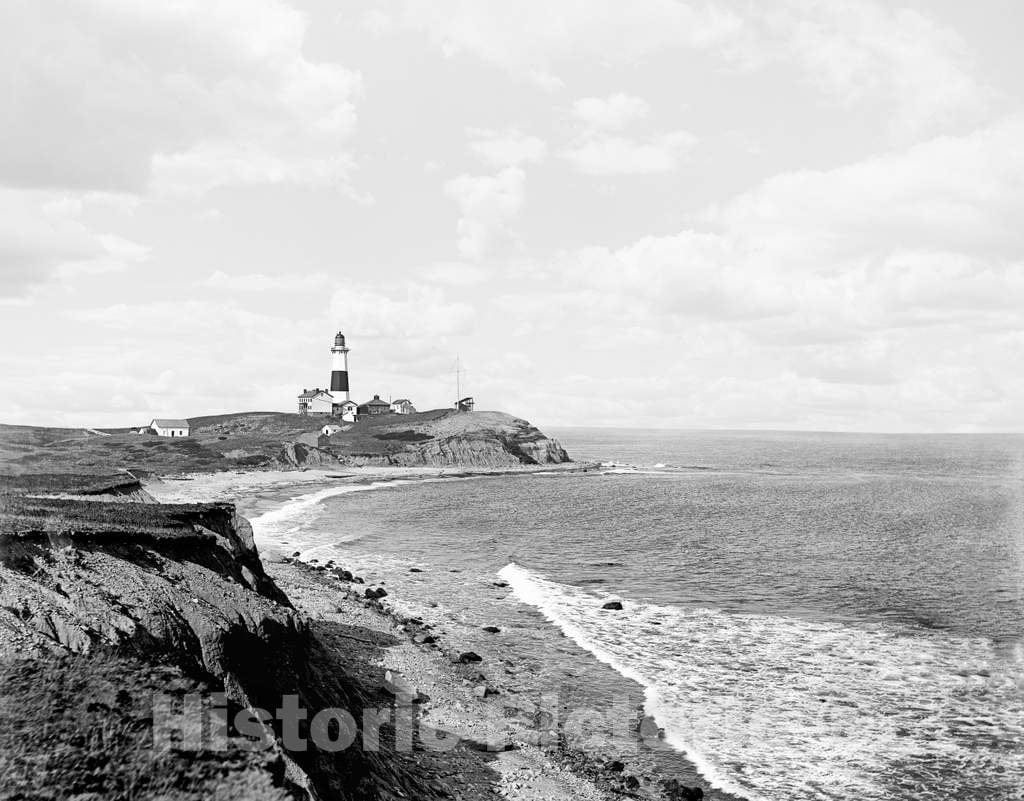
column 339, row 381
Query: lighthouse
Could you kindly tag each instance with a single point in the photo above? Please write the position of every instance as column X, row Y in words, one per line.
column 339, row 369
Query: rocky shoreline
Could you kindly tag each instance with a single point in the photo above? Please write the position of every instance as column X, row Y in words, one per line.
column 481, row 703
column 109, row 600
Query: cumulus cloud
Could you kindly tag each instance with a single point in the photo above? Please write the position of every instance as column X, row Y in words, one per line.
column 600, row 149
column 227, row 357
column 178, row 97
column 42, row 237
column 618, row 155
column 508, row 148
column 455, row 273
column 610, row 113
column 854, row 51
column 419, row 312
column 402, row 338
column 946, row 193
column 261, row 282
column 887, row 293
column 531, row 39
column 487, row 204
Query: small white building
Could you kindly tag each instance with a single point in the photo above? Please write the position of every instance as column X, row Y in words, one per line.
column 170, row 428
column 403, row 406
column 330, row 429
column 346, row 410
column 315, row 401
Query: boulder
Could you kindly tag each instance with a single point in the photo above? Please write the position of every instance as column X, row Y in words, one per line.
column 396, row 684
column 615, row 766
column 466, row 657
column 676, row 791
column 375, row 592
column 491, row 629
column 616, row 605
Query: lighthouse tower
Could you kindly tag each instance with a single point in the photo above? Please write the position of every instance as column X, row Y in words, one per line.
column 339, row 369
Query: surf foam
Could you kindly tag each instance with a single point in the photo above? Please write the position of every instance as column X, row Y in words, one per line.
column 771, row 707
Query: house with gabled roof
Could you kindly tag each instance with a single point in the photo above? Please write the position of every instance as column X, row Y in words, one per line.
column 346, row 410
column 316, row 401
column 167, row 427
column 403, row 406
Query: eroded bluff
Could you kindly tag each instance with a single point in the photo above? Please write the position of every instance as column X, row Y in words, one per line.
column 104, row 603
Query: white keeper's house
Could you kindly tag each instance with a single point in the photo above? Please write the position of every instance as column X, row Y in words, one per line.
column 403, row 406
column 163, row 427
column 315, row 401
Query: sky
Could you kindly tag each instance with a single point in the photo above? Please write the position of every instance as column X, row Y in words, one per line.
column 662, row 213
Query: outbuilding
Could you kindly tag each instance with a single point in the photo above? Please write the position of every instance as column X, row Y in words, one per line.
column 403, row 406
column 375, row 406
column 330, row 429
column 170, row 428
column 346, row 410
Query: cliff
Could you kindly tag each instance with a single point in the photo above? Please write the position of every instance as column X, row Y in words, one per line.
column 273, row 440
column 103, row 604
column 477, row 439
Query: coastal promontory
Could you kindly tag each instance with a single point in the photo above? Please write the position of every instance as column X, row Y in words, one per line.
column 277, row 440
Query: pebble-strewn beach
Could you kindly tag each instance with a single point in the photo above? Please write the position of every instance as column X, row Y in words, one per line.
column 579, row 741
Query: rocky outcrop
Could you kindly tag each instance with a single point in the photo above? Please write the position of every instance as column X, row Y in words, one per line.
column 447, row 439
column 170, row 586
column 301, row 456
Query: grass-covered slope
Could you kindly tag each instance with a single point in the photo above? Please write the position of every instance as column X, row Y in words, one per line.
column 264, row 440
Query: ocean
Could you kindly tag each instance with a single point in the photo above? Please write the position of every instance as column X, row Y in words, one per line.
column 809, row 616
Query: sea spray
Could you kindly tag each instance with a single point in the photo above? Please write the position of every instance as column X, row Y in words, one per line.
column 545, row 596
column 772, row 708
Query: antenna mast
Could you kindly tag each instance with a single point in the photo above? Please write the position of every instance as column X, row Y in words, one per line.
column 458, row 379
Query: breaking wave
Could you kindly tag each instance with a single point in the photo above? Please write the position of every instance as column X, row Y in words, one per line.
column 771, row 707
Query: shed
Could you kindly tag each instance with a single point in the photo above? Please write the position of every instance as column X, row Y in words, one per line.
column 346, row 410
